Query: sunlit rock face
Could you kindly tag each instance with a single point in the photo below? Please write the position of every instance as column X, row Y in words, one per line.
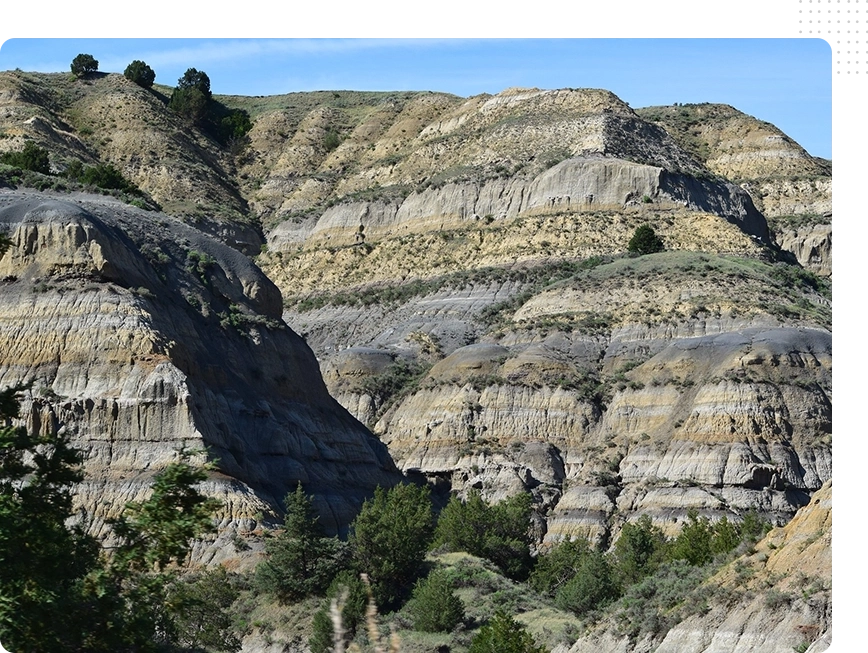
column 140, row 336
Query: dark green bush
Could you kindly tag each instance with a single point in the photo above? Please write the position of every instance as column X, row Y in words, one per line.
column 83, row 64
column 434, row 606
column 503, row 634
column 140, row 73
column 558, row 565
column 32, row 157
column 645, row 241
column 593, row 586
column 196, row 79
column 332, row 140
column 105, row 175
column 639, row 550
column 500, row 533
column 349, row 588
column 190, row 103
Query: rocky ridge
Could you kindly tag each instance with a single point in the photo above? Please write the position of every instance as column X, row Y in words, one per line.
column 790, row 187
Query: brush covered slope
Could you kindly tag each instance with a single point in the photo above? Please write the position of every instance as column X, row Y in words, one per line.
column 776, row 597
column 790, row 187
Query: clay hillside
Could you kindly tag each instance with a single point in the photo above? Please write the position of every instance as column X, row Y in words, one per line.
column 358, row 289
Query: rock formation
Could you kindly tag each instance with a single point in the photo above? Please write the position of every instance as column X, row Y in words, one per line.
column 459, row 268
column 141, row 335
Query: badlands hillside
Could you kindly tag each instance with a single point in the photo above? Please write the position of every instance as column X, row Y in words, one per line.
column 376, row 285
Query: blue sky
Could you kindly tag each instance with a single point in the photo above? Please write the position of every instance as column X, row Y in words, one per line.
column 787, row 82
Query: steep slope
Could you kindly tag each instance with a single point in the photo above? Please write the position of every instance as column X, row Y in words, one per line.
column 654, row 384
column 109, row 119
column 457, row 265
column 776, row 598
column 141, row 335
column 791, row 188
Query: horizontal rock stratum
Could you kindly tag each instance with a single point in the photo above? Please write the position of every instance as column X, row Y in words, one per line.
column 140, row 335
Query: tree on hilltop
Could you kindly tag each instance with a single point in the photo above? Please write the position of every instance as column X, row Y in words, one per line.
column 140, row 73
column 84, row 64
column 197, row 79
column 192, row 95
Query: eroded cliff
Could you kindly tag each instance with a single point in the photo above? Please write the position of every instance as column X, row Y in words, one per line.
column 141, row 335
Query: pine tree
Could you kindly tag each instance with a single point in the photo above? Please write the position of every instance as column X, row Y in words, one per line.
column 390, row 538
column 434, row 606
column 503, row 634
column 300, row 560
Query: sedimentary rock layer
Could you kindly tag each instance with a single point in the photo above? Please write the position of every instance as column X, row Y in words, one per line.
column 140, row 335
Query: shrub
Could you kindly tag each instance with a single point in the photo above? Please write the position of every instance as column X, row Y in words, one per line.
column 593, row 586
column 32, row 157
column 332, row 140
column 639, row 550
column 83, row 64
column 105, row 175
column 234, row 126
column 140, row 73
column 660, row 600
column 200, row 263
column 192, row 96
column 503, row 634
column 693, row 543
column 434, row 606
column 199, row 611
column 499, row 533
column 346, row 586
column 645, row 241
column 189, row 103
column 557, row 567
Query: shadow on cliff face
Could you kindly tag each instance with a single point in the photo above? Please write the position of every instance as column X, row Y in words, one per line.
column 142, row 335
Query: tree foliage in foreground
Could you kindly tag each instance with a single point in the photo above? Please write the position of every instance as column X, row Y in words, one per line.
column 390, row 537
column 58, row 592
column 351, row 596
column 42, row 562
column 639, row 549
column 300, row 560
